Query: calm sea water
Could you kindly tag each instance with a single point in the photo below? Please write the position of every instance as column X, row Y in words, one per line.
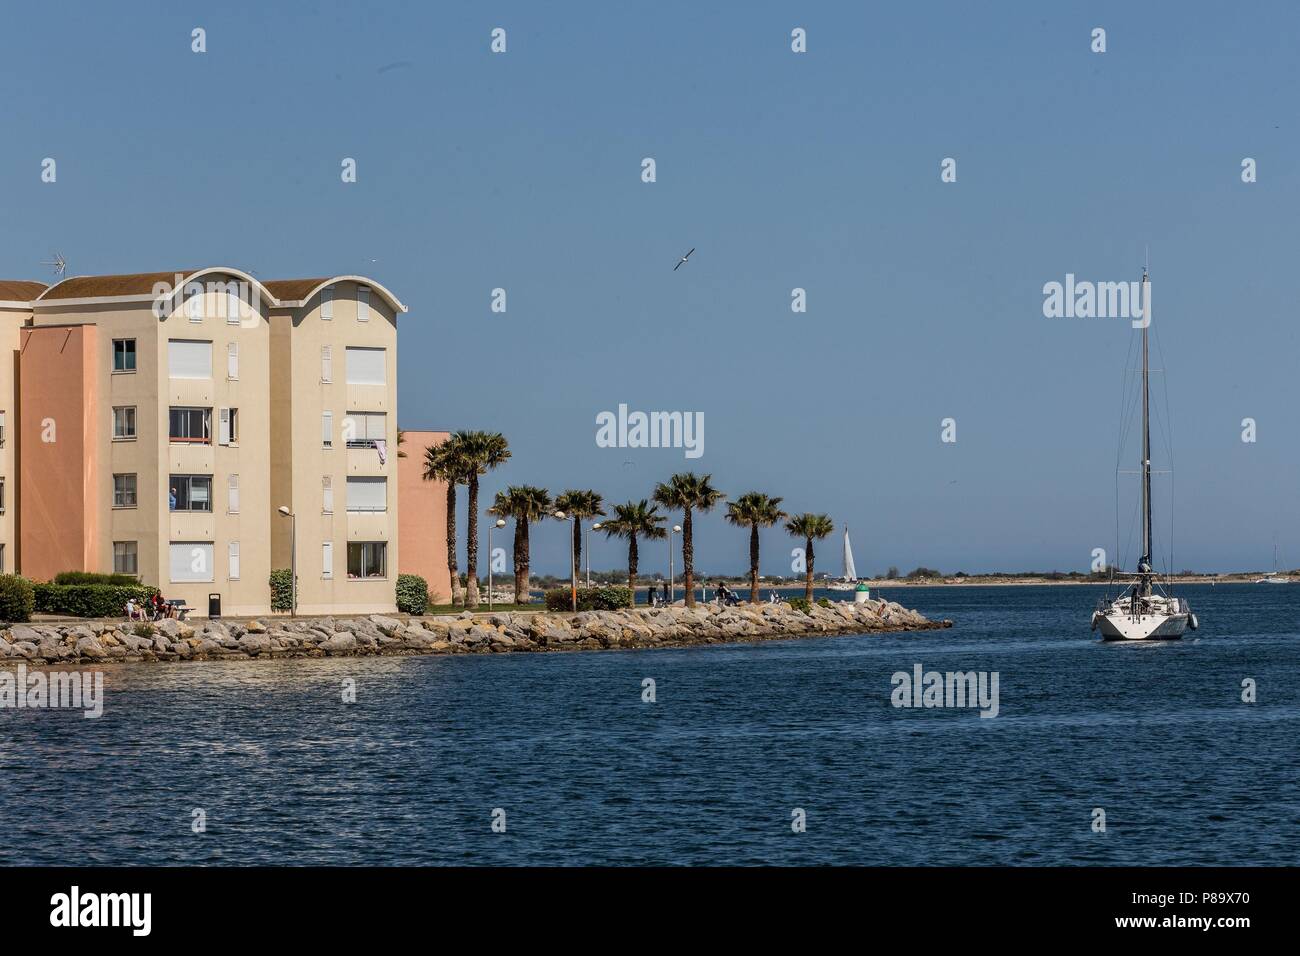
column 740, row 735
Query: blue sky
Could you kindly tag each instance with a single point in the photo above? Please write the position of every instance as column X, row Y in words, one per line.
column 816, row 170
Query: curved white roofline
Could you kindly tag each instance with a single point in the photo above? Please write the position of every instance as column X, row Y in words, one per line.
column 230, row 270
column 185, row 277
column 391, row 299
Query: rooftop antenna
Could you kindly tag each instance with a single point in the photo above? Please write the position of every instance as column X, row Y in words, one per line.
column 57, row 263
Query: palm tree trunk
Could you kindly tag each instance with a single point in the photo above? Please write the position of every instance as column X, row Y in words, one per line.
column 688, row 557
column 632, row 557
column 521, row 560
column 753, row 564
column 471, row 546
column 451, row 543
column 577, row 546
column 808, row 583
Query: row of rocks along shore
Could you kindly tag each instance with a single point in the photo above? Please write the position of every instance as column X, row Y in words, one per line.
column 398, row 635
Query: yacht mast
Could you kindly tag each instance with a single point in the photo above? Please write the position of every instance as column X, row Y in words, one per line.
column 1144, row 565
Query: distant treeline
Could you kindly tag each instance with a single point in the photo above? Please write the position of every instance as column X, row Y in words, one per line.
column 921, row 573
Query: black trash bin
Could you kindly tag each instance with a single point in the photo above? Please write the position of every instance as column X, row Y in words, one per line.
column 214, row 606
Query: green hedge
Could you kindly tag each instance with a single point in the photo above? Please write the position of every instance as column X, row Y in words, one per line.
column 94, row 577
column 800, row 604
column 281, row 589
column 17, row 599
column 610, row 598
column 89, row 600
column 412, row 594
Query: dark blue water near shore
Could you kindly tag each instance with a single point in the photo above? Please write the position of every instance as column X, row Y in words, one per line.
column 1156, row 735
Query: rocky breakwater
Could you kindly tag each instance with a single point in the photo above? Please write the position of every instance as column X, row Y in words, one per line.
column 96, row 642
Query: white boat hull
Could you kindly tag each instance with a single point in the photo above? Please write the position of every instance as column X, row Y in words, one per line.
column 842, row 586
column 1123, row 626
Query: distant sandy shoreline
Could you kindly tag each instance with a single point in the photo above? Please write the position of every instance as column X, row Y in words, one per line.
column 969, row 582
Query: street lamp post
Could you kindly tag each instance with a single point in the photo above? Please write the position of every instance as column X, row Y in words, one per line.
column 499, row 523
column 672, row 582
column 573, row 565
column 594, row 527
column 293, row 559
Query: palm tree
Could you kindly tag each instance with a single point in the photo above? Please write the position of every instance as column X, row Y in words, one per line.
column 810, row 527
column 481, row 452
column 688, row 492
column 754, row 510
column 632, row 520
column 444, row 463
column 579, row 505
column 525, row 504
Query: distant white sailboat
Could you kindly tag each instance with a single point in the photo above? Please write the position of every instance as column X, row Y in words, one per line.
column 1144, row 611
column 850, row 580
column 1274, row 578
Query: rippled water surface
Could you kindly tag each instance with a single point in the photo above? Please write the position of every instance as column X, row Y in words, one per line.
column 740, row 735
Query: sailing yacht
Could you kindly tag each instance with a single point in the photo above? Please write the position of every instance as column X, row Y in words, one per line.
column 1273, row 578
column 1144, row 611
column 850, row 580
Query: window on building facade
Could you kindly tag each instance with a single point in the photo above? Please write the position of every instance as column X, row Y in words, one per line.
column 367, row 494
column 365, row 428
column 124, row 491
column 228, row 426
column 367, row 559
column 190, row 425
column 123, row 422
column 190, row 561
column 189, row 358
column 190, row 493
column 123, row 355
column 126, row 559
column 365, row 366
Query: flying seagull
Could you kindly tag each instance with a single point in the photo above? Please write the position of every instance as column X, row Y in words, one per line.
column 683, row 259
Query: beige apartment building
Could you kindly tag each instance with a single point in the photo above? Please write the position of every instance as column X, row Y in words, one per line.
column 199, row 429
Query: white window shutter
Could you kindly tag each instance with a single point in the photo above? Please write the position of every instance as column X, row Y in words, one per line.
column 327, row 428
column 232, row 495
column 232, row 307
column 223, row 436
column 365, row 366
column 327, row 363
column 327, row 559
column 191, row 561
column 187, row 358
column 367, row 494
column 232, row 360
column 327, row 305
column 234, row 560
column 363, row 303
column 327, row 494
